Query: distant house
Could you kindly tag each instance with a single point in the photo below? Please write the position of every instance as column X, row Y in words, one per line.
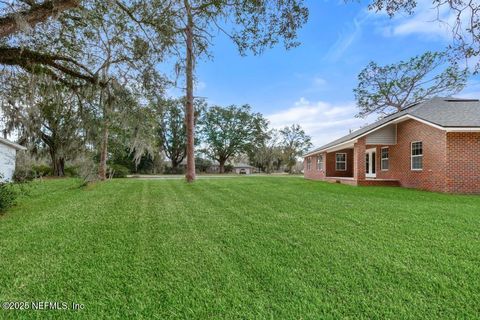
column 242, row 168
column 213, row 168
column 8, row 153
column 433, row 146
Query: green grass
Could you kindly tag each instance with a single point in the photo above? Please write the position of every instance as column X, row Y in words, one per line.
column 245, row 248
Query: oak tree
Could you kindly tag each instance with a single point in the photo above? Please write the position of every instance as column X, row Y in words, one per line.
column 229, row 131
column 295, row 142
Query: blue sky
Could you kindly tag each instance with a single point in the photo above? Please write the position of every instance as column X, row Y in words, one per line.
column 312, row 84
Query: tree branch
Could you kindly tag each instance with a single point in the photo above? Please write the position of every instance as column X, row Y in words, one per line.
column 33, row 61
column 37, row 13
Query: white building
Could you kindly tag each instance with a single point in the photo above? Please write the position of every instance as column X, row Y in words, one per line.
column 8, row 154
column 242, row 168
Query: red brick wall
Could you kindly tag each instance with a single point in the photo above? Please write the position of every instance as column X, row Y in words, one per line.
column 313, row 173
column 432, row 177
column 331, row 164
column 463, row 162
column 360, row 163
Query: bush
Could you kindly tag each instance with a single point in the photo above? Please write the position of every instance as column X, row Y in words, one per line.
column 42, row 170
column 22, row 175
column 228, row 168
column 24, row 171
column 71, row 171
column 118, row 171
column 87, row 169
column 170, row 170
column 7, row 196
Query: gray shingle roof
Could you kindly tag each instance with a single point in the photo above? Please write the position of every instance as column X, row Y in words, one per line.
column 445, row 112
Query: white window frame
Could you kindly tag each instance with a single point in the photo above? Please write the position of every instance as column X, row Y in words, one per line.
column 336, row 161
column 309, row 163
column 319, row 168
column 415, row 156
column 382, row 158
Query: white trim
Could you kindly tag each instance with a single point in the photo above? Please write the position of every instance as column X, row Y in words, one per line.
column 411, row 156
column 321, row 162
column 425, row 122
column 12, row 144
column 309, row 164
column 388, row 159
column 346, row 145
column 370, row 163
column 346, row 156
column 398, row 120
column 455, row 129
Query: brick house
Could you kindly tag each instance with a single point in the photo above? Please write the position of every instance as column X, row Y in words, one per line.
column 434, row 145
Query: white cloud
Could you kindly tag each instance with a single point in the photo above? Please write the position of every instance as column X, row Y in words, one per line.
column 427, row 21
column 323, row 121
column 319, row 82
column 200, row 86
column 346, row 39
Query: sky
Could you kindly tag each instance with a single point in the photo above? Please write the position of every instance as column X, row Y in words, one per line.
column 312, row 85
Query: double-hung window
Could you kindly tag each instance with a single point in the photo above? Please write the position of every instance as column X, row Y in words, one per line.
column 417, row 155
column 385, row 163
column 341, row 162
column 309, row 163
column 320, row 162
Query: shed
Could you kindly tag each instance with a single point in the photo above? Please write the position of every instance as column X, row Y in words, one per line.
column 8, row 154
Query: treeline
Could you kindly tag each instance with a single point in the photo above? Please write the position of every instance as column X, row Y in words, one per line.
column 63, row 136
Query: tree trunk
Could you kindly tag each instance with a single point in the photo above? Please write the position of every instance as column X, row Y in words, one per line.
column 174, row 165
column 102, row 169
column 60, row 167
column 58, row 164
column 189, row 109
column 222, row 166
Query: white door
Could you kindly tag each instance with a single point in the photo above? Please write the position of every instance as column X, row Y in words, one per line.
column 370, row 163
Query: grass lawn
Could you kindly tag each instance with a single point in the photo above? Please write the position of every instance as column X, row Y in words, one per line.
column 245, row 248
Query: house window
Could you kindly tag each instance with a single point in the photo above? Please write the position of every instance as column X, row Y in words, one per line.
column 417, row 155
column 309, row 163
column 320, row 162
column 341, row 162
column 384, row 163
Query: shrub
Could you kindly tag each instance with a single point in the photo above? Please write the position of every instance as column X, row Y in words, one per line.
column 42, row 170
column 24, row 168
column 71, row 171
column 118, row 171
column 7, row 196
column 170, row 170
column 22, row 175
column 87, row 169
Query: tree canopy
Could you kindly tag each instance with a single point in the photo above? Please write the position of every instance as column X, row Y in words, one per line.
column 230, row 131
column 390, row 88
column 295, row 142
